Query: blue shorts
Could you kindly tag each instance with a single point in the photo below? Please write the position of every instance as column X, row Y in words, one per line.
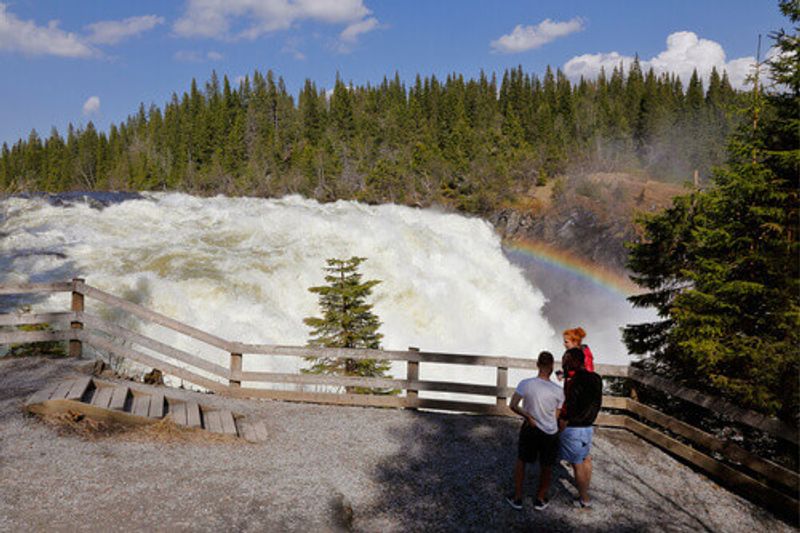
column 576, row 443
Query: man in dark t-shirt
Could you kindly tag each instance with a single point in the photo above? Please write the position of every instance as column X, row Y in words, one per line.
column 583, row 396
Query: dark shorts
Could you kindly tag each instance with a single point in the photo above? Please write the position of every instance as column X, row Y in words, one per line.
column 536, row 445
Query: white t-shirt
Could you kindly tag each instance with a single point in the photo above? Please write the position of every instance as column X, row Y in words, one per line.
column 540, row 399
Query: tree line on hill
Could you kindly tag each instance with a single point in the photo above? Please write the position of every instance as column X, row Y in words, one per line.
column 468, row 144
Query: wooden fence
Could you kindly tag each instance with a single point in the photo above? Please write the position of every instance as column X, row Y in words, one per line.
column 760, row 479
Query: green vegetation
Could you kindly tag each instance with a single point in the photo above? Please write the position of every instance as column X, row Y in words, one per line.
column 347, row 322
column 468, row 144
column 721, row 265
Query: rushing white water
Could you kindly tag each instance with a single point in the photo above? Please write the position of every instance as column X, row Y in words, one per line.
column 240, row 268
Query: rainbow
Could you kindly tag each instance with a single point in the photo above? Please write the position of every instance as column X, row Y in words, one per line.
column 575, row 265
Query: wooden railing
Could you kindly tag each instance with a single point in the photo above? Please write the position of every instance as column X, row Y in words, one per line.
column 760, row 479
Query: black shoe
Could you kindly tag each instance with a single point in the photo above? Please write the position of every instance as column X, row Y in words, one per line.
column 541, row 505
column 516, row 504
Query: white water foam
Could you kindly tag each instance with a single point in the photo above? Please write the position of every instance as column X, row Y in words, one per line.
column 240, row 268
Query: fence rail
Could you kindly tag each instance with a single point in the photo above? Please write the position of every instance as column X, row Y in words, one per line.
column 762, row 480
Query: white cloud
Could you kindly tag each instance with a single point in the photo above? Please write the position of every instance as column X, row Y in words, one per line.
column 215, row 18
column 524, row 38
column 25, row 36
column 114, row 31
column 350, row 34
column 193, row 56
column 685, row 52
column 91, row 105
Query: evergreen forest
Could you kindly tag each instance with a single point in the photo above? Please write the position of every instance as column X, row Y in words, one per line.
column 470, row 145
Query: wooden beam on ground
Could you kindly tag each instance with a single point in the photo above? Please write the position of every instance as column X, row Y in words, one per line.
column 740, row 482
column 55, row 407
column 156, row 406
column 753, row 419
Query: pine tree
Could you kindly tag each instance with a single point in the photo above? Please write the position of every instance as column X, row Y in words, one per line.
column 721, row 268
column 347, row 321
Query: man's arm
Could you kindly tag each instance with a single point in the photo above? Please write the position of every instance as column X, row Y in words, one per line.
column 515, row 399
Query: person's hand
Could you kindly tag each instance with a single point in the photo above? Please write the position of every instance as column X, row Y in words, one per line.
column 560, row 375
column 531, row 421
column 562, row 424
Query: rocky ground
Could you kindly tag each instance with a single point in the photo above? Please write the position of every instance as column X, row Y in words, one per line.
column 328, row 469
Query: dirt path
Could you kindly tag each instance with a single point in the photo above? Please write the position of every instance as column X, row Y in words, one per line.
column 327, row 469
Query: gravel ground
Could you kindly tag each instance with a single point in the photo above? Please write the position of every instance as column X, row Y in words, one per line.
column 330, row 469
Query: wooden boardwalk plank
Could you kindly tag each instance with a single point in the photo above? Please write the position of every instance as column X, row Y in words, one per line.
column 261, row 431
column 178, row 413
column 79, row 388
column 157, row 405
column 246, row 431
column 119, row 398
column 212, row 422
column 62, row 390
column 42, row 394
column 102, row 397
column 228, row 425
column 141, row 405
column 193, row 415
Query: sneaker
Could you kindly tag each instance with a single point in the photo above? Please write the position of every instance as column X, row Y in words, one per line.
column 541, row 505
column 580, row 504
column 516, row 504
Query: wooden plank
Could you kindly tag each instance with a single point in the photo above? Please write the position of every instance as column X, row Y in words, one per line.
column 63, row 389
column 212, row 422
column 178, row 412
column 141, row 405
column 228, row 425
column 753, row 419
column 25, row 288
column 609, row 420
column 156, row 405
column 729, row 477
column 379, row 383
column 102, row 397
column 69, row 406
column 247, row 431
column 23, row 319
column 119, row 398
column 735, row 453
column 148, row 342
column 193, row 415
column 79, row 388
column 25, row 337
column 152, row 316
column 42, row 394
column 373, row 400
column 260, row 431
column 615, row 402
column 135, row 355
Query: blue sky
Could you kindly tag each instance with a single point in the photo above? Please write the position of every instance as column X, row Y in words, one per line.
column 100, row 59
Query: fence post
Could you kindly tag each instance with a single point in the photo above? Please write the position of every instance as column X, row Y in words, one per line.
column 412, row 374
column 236, row 367
column 76, row 346
column 502, row 383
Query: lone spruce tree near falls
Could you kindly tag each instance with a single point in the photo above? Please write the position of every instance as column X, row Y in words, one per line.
column 347, row 321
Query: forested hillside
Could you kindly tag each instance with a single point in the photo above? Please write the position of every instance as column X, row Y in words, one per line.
column 469, row 144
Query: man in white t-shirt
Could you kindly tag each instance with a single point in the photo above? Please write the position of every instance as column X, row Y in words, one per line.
column 538, row 437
